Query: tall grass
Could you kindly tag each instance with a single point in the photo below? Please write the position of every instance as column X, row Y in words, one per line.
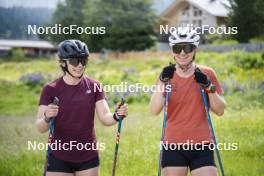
column 139, row 146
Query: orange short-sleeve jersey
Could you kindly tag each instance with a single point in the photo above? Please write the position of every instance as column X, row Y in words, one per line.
column 186, row 116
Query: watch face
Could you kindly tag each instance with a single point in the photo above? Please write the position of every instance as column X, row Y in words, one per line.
column 213, row 88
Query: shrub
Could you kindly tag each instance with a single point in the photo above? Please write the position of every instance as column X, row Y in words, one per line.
column 250, row 61
column 17, row 54
column 225, row 42
column 259, row 39
column 34, row 79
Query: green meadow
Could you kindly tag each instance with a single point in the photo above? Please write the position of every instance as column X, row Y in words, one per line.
column 241, row 75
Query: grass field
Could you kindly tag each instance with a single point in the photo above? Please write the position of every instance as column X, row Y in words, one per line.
column 242, row 122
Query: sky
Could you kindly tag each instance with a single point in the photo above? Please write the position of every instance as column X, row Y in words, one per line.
column 158, row 5
column 29, row 3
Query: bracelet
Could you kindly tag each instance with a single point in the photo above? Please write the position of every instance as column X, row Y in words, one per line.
column 115, row 117
column 46, row 119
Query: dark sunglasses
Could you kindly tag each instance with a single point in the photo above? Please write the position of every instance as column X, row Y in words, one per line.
column 75, row 61
column 187, row 48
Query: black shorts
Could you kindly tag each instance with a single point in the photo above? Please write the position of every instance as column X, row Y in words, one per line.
column 190, row 158
column 57, row 165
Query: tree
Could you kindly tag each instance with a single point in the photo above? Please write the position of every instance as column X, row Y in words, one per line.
column 259, row 6
column 15, row 20
column 67, row 13
column 129, row 24
column 248, row 16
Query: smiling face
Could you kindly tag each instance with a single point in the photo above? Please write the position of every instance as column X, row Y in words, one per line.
column 76, row 71
column 183, row 58
column 76, row 67
column 183, row 53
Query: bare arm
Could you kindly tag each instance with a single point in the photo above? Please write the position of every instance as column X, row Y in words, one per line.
column 50, row 111
column 42, row 126
column 104, row 114
column 157, row 100
column 217, row 103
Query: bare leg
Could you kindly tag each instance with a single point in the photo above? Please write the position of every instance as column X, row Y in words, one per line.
column 58, row 174
column 175, row 171
column 89, row 172
column 205, row 171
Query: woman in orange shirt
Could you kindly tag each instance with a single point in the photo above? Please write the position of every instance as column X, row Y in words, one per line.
column 187, row 127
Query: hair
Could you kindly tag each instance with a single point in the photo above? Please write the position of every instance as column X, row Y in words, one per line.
column 61, row 61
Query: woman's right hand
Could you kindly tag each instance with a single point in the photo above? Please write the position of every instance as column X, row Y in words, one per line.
column 51, row 111
column 167, row 73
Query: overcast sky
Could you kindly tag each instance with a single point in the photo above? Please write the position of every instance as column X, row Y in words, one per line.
column 159, row 5
column 29, row 3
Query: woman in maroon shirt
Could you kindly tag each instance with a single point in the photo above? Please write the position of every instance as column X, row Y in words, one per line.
column 73, row 118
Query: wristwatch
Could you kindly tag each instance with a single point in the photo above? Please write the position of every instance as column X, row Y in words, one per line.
column 115, row 116
column 46, row 119
column 211, row 89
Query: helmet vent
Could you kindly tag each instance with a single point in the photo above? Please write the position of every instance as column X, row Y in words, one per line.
column 183, row 36
column 192, row 36
column 65, row 49
column 78, row 44
column 72, row 47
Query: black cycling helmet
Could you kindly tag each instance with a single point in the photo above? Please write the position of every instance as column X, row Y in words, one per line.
column 72, row 49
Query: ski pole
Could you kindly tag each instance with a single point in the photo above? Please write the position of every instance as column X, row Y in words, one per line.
column 165, row 111
column 120, row 119
column 51, row 128
column 212, row 129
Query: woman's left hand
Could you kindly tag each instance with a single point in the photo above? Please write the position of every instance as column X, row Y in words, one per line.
column 201, row 78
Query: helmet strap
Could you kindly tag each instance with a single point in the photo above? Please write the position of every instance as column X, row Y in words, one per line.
column 185, row 68
column 67, row 70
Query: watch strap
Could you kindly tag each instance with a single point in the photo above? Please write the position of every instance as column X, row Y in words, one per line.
column 46, row 119
column 115, row 117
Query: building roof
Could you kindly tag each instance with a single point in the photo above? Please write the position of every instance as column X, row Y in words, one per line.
column 214, row 7
column 26, row 44
column 4, row 48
